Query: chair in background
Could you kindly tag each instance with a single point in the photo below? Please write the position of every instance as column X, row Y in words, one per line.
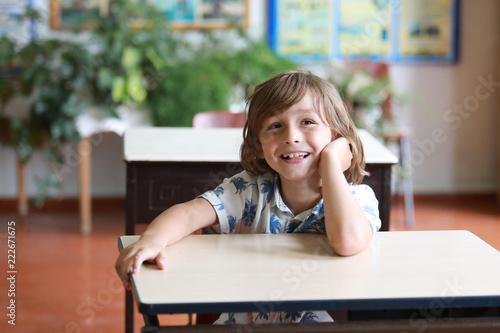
column 208, row 119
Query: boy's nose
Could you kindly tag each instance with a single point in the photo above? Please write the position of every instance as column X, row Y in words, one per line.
column 292, row 135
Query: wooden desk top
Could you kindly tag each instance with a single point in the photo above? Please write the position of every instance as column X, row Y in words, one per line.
column 412, row 269
column 187, row 144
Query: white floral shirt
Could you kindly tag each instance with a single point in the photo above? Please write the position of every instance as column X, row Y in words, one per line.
column 248, row 204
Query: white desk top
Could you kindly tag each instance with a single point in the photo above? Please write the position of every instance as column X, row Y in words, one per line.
column 187, row 144
column 218, row 273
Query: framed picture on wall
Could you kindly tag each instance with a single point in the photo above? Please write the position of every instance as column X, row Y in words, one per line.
column 181, row 14
column 204, row 14
column 67, row 14
column 427, row 31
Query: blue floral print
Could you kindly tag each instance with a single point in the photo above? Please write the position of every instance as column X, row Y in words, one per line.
column 267, row 188
column 240, row 184
column 249, row 213
column 309, row 317
column 274, row 224
column 232, row 224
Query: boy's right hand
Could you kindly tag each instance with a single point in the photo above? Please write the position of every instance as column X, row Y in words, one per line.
column 131, row 258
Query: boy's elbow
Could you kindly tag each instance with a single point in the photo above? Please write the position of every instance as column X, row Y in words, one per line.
column 345, row 250
column 348, row 246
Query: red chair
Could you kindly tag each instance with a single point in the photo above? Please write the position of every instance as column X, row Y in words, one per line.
column 207, row 119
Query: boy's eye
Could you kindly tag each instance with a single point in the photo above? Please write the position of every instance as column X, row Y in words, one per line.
column 308, row 122
column 274, row 126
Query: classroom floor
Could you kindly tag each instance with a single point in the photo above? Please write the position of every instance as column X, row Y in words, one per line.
column 65, row 282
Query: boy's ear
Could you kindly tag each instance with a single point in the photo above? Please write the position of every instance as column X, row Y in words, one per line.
column 258, row 150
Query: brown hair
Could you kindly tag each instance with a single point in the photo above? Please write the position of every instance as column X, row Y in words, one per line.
column 284, row 90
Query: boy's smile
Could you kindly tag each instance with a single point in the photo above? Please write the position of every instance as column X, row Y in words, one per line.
column 293, row 140
column 295, row 157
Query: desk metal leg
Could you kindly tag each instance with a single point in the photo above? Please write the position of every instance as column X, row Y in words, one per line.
column 129, row 230
column 407, row 182
column 129, row 312
column 151, row 320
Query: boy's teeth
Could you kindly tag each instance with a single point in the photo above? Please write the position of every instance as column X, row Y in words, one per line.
column 294, row 155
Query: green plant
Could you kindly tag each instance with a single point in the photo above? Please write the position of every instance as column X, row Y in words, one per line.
column 65, row 79
column 132, row 50
column 222, row 67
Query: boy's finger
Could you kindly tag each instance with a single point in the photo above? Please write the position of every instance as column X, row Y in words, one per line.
column 136, row 264
column 160, row 261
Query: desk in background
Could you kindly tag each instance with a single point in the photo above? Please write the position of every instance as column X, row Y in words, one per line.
column 425, row 270
column 166, row 166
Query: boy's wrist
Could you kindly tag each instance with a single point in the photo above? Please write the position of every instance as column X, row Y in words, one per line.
column 152, row 240
column 329, row 166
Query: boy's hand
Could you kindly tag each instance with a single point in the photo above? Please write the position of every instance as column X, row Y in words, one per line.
column 132, row 257
column 337, row 151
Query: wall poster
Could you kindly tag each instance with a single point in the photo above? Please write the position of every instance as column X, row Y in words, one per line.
column 304, row 29
column 372, row 30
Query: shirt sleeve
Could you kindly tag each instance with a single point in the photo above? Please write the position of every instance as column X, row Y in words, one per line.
column 366, row 198
column 232, row 200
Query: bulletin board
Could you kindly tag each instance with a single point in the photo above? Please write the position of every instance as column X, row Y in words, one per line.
column 302, row 29
column 377, row 30
column 10, row 25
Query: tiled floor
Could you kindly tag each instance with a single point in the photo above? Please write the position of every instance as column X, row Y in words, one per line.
column 479, row 214
column 65, row 282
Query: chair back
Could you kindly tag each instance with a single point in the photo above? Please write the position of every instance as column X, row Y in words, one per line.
column 208, row 119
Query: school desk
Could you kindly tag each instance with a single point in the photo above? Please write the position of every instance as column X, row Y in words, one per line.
column 425, row 270
column 168, row 165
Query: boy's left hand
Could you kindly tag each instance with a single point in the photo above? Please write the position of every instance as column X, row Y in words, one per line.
column 337, row 151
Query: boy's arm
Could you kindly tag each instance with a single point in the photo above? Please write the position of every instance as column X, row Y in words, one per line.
column 346, row 224
column 169, row 227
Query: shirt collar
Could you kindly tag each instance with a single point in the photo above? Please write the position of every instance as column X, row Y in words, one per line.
column 317, row 210
column 278, row 202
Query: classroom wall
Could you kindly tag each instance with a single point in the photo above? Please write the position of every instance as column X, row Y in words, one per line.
column 452, row 117
column 454, row 113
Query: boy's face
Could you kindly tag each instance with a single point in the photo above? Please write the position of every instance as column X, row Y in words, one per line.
column 292, row 141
